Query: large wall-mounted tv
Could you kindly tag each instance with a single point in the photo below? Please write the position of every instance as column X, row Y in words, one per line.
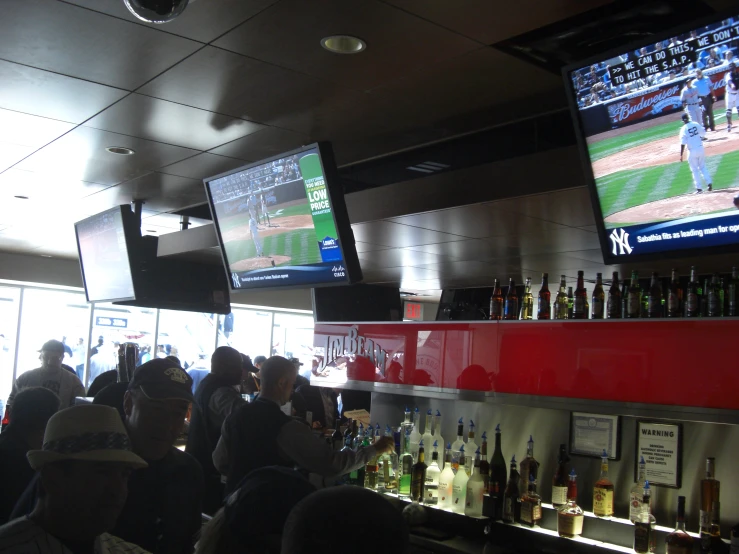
column 628, row 108
column 282, row 222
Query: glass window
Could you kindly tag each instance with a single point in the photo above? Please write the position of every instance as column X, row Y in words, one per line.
column 53, row 314
column 248, row 331
column 293, row 338
column 113, row 325
column 9, row 298
column 190, row 336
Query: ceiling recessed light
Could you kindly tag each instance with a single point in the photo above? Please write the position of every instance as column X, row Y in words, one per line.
column 343, row 44
column 120, row 150
column 150, row 231
column 19, row 197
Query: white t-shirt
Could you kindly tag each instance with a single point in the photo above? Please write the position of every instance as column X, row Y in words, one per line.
column 61, row 382
column 690, row 136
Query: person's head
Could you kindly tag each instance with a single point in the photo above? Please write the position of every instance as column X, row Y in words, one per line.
column 100, row 340
column 84, row 467
column 156, row 404
column 80, row 341
column 685, row 118
column 32, row 409
column 112, row 395
column 52, row 354
column 278, row 377
column 226, row 363
column 259, row 361
column 699, row 74
column 311, row 526
column 729, row 55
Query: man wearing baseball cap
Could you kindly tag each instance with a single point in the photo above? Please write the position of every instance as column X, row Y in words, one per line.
column 83, row 467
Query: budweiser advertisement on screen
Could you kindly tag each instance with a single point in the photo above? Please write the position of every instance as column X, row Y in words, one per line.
column 660, row 126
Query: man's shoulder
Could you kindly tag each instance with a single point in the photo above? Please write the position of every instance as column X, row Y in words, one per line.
column 20, row 536
column 29, row 377
column 183, row 463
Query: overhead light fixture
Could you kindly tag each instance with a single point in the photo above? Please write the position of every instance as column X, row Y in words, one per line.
column 46, row 255
column 150, row 231
column 21, row 197
column 156, row 11
column 121, row 150
column 343, row 44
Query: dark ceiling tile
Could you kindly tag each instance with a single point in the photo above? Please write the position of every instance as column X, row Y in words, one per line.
column 154, row 119
column 82, row 43
column 397, row 42
column 21, row 134
column 81, row 155
column 202, row 166
column 395, row 235
column 399, row 257
column 263, row 144
column 160, row 192
column 571, row 207
column 470, row 250
column 47, row 94
column 367, row 247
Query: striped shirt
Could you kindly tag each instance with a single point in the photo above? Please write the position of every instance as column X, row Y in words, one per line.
column 24, row 536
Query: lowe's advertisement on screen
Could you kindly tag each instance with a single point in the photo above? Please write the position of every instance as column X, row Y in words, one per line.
column 276, row 224
column 661, row 132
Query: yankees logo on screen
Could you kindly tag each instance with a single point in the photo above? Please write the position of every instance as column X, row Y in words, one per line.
column 620, row 241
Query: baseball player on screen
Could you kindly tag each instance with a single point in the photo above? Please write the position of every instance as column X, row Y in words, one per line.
column 254, row 230
column 691, row 101
column 732, row 89
column 691, row 135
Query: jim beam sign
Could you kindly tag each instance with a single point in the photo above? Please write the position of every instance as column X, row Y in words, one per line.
column 353, row 344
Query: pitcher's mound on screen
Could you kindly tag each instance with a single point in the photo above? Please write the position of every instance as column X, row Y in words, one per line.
column 259, row 263
column 677, row 207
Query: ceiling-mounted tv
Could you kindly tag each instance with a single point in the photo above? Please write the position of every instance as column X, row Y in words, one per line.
column 661, row 185
column 282, row 222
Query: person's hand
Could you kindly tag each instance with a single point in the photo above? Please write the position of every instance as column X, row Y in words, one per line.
column 317, row 425
column 385, row 444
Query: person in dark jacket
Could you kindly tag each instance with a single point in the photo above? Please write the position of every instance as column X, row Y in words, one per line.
column 215, row 398
column 321, row 402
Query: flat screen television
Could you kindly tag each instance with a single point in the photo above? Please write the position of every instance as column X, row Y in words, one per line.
column 282, row 222
column 103, row 247
column 662, row 186
column 357, row 303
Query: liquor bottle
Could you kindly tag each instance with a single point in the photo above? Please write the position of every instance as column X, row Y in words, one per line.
column 599, row 298
column 570, row 303
column 603, row 491
column 722, row 294
column 366, row 440
column 693, row 296
column 359, row 437
column 471, row 445
column 732, row 293
column 457, row 444
column 415, row 436
column 560, row 480
column 614, row 299
column 644, row 302
column 679, row 541
column 624, row 299
column 644, row 533
column 349, row 445
column 581, row 308
column 531, row 505
column 711, row 542
column 496, row 302
column 418, row 479
column 475, row 490
column 510, row 310
column 528, row 466
column 637, row 493
column 511, row 500
column 428, row 437
column 570, row 517
column 714, row 297
column 710, row 493
column 498, row 476
column 405, row 469
column 371, row 467
column 527, row 303
column 459, row 485
column 544, row 306
column 337, row 439
column 446, row 479
column 633, row 305
column 654, row 300
column 438, row 437
column 387, row 470
column 406, row 425
column 431, row 488
column 704, row 297
column 484, row 464
column 674, row 297
column 560, row 301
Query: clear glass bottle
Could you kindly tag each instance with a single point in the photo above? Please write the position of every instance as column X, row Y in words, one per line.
column 570, row 303
column 458, row 444
column 614, row 298
column 484, row 464
column 372, row 466
column 428, row 437
column 498, row 476
column 471, row 445
column 644, row 527
column 511, row 497
column 675, row 296
column 415, row 436
column 544, row 307
column 654, row 300
column 387, row 468
column 433, row 472
column 581, row 307
column 560, row 479
column 603, row 491
column 446, row 478
column 693, row 295
column 418, row 475
column 637, row 493
column 710, row 493
column 438, row 437
column 475, row 490
column 570, row 517
column 459, row 485
column 527, row 302
column 405, row 469
column 679, row 541
column 406, row 424
column 633, row 304
column 529, row 466
column 599, row 298
column 496, row 302
column 531, row 505
column 560, row 301
column 510, row 309
column 714, row 297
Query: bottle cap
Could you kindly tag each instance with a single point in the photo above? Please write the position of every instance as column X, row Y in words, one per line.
column 484, row 435
column 449, row 446
column 408, row 433
column 646, row 485
column 572, row 473
column 420, row 444
column 497, row 428
column 436, row 444
column 461, row 421
column 531, row 438
column 361, row 425
column 416, row 409
column 377, row 426
column 605, row 454
column 477, row 451
column 388, row 428
column 472, row 424
column 438, row 413
column 531, row 478
column 641, row 461
column 429, row 412
column 461, row 449
column 407, row 409
column 513, row 460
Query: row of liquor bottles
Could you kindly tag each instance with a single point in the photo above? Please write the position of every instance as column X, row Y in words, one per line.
column 715, row 296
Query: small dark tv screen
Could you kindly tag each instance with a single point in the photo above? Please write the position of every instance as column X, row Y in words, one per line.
column 282, row 222
column 104, row 256
column 659, row 130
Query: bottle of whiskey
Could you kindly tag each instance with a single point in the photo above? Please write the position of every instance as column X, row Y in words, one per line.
column 674, row 297
column 710, row 493
column 633, row 306
column 418, row 476
column 496, row 302
column 471, row 445
column 406, row 469
column 603, row 491
column 644, row 534
column 531, row 505
column 570, row 517
column 679, row 541
column 599, row 298
column 714, row 297
column 544, row 307
column 484, row 464
column 560, row 301
column 511, row 500
column 438, row 437
column 711, row 542
column 570, row 303
column 637, row 493
column 498, row 477
column 693, row 296
column 431, row 487
column 528, row 466
column 475, row 490
column 580, row 308
column 510, row 310
column 459, row 485
column 654, row 300
column 614, row 299
column 457, row 445
column 732, row 293
column 446, row 478
column 560, row 479
column 527, row 303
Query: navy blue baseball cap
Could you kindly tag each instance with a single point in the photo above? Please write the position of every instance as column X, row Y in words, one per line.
column 162, row 379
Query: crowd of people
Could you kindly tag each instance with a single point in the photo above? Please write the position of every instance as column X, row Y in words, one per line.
column 106, row 477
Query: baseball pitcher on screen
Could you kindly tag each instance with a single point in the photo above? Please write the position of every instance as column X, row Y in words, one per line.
column 691, row 101
column 691, row 135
